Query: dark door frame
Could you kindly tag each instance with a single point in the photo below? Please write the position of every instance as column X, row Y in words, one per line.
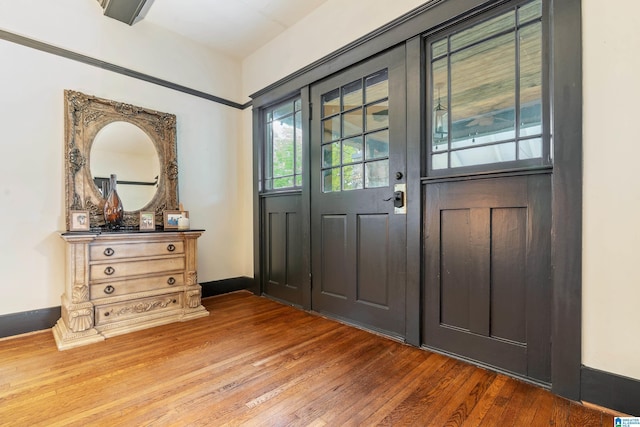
column 566, row 112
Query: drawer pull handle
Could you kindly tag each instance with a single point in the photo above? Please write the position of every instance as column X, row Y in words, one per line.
column 109, row 252
column 171, row 281
column 171, row 247
column 109, row 289
column 109, row 271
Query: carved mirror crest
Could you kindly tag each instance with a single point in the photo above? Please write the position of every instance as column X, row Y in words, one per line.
column 86, row 117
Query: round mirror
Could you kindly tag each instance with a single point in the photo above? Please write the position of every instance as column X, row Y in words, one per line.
column 123, row 149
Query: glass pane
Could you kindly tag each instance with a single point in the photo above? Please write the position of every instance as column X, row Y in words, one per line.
column 377, row 115
column 352, row 177
column 377, row 86
column 438, row 48
column 484, row 155
column 298, row 180
column 331, row 155
column 331, row 103
column 530, row 149
column 269, row 116
column 483, row 30
column 483, row 93
column 283, row 110
column 440, row 121
column 377, row 145
column 298, row 105
column 352, row 95
column 283, row 147
column 331, row 129
column 531, row 80
column 377, row 174
column 440, row 144
column 352, row 123
column 352, row 150
column 283, row 182
column 298, row 119
column 530, row 11
column 439, row 161
column 331, row 180
column 268, row 155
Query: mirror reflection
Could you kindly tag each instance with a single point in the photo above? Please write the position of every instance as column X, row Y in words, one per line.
column 123, row 149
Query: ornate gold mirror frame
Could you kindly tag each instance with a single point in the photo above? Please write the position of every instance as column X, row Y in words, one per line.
column 85, row 115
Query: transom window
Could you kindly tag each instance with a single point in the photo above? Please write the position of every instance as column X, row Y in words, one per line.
column 283, row 148
column 487, row 94
column 355, row 135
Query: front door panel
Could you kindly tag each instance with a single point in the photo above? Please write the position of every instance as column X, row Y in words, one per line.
column 487, row 278
column 357, row 156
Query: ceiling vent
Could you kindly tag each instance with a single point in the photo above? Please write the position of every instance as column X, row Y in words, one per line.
column 123, row 10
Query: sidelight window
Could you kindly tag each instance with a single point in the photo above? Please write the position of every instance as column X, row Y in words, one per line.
column 486, row 94
column 283, row 147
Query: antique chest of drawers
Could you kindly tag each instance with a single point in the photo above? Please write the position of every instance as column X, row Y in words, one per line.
column 126, row 281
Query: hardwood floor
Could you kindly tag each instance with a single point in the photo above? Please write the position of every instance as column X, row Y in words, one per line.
column 257, row 362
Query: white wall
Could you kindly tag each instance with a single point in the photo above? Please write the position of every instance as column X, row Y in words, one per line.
column 331, row 26
column 32, row 137
column 611, row 230
column 79, row 26
column 611, row 41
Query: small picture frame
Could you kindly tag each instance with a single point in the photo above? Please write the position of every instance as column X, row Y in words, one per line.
column 147, row 220
column 79, row 221
column 171, row 219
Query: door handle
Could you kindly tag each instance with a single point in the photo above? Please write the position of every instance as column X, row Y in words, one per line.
column 398, row 199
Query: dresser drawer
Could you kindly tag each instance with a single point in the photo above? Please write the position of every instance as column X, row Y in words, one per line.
column 106, row 251
column 117, row 270
column 130, row 286
column 111, row 313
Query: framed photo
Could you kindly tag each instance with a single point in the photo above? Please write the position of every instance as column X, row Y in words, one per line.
column 147, row 221
column 172, row 218
column 79, row 221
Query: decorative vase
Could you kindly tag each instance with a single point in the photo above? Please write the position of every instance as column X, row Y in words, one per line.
column 113, row 209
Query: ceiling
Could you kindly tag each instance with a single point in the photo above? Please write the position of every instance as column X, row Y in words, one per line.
column 234, row 27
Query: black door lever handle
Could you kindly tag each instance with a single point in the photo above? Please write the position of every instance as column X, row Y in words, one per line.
column 398, row 199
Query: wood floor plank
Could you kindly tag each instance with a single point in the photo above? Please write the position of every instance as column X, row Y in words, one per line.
column 428, row 396
column 355, row 391
column 453, row 409
column 486, row 402
column 256, row 362
column 560, row 412
column 581, row 416
column 467, row 397
column 400, row 371
column 384, row 404
column 541, row 408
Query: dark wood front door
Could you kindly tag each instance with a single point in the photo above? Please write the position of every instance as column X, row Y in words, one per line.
column 487, row 278
column 358, row 152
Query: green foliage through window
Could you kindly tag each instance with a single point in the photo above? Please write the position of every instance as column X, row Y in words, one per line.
column 355, row 135
column 283, row 148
